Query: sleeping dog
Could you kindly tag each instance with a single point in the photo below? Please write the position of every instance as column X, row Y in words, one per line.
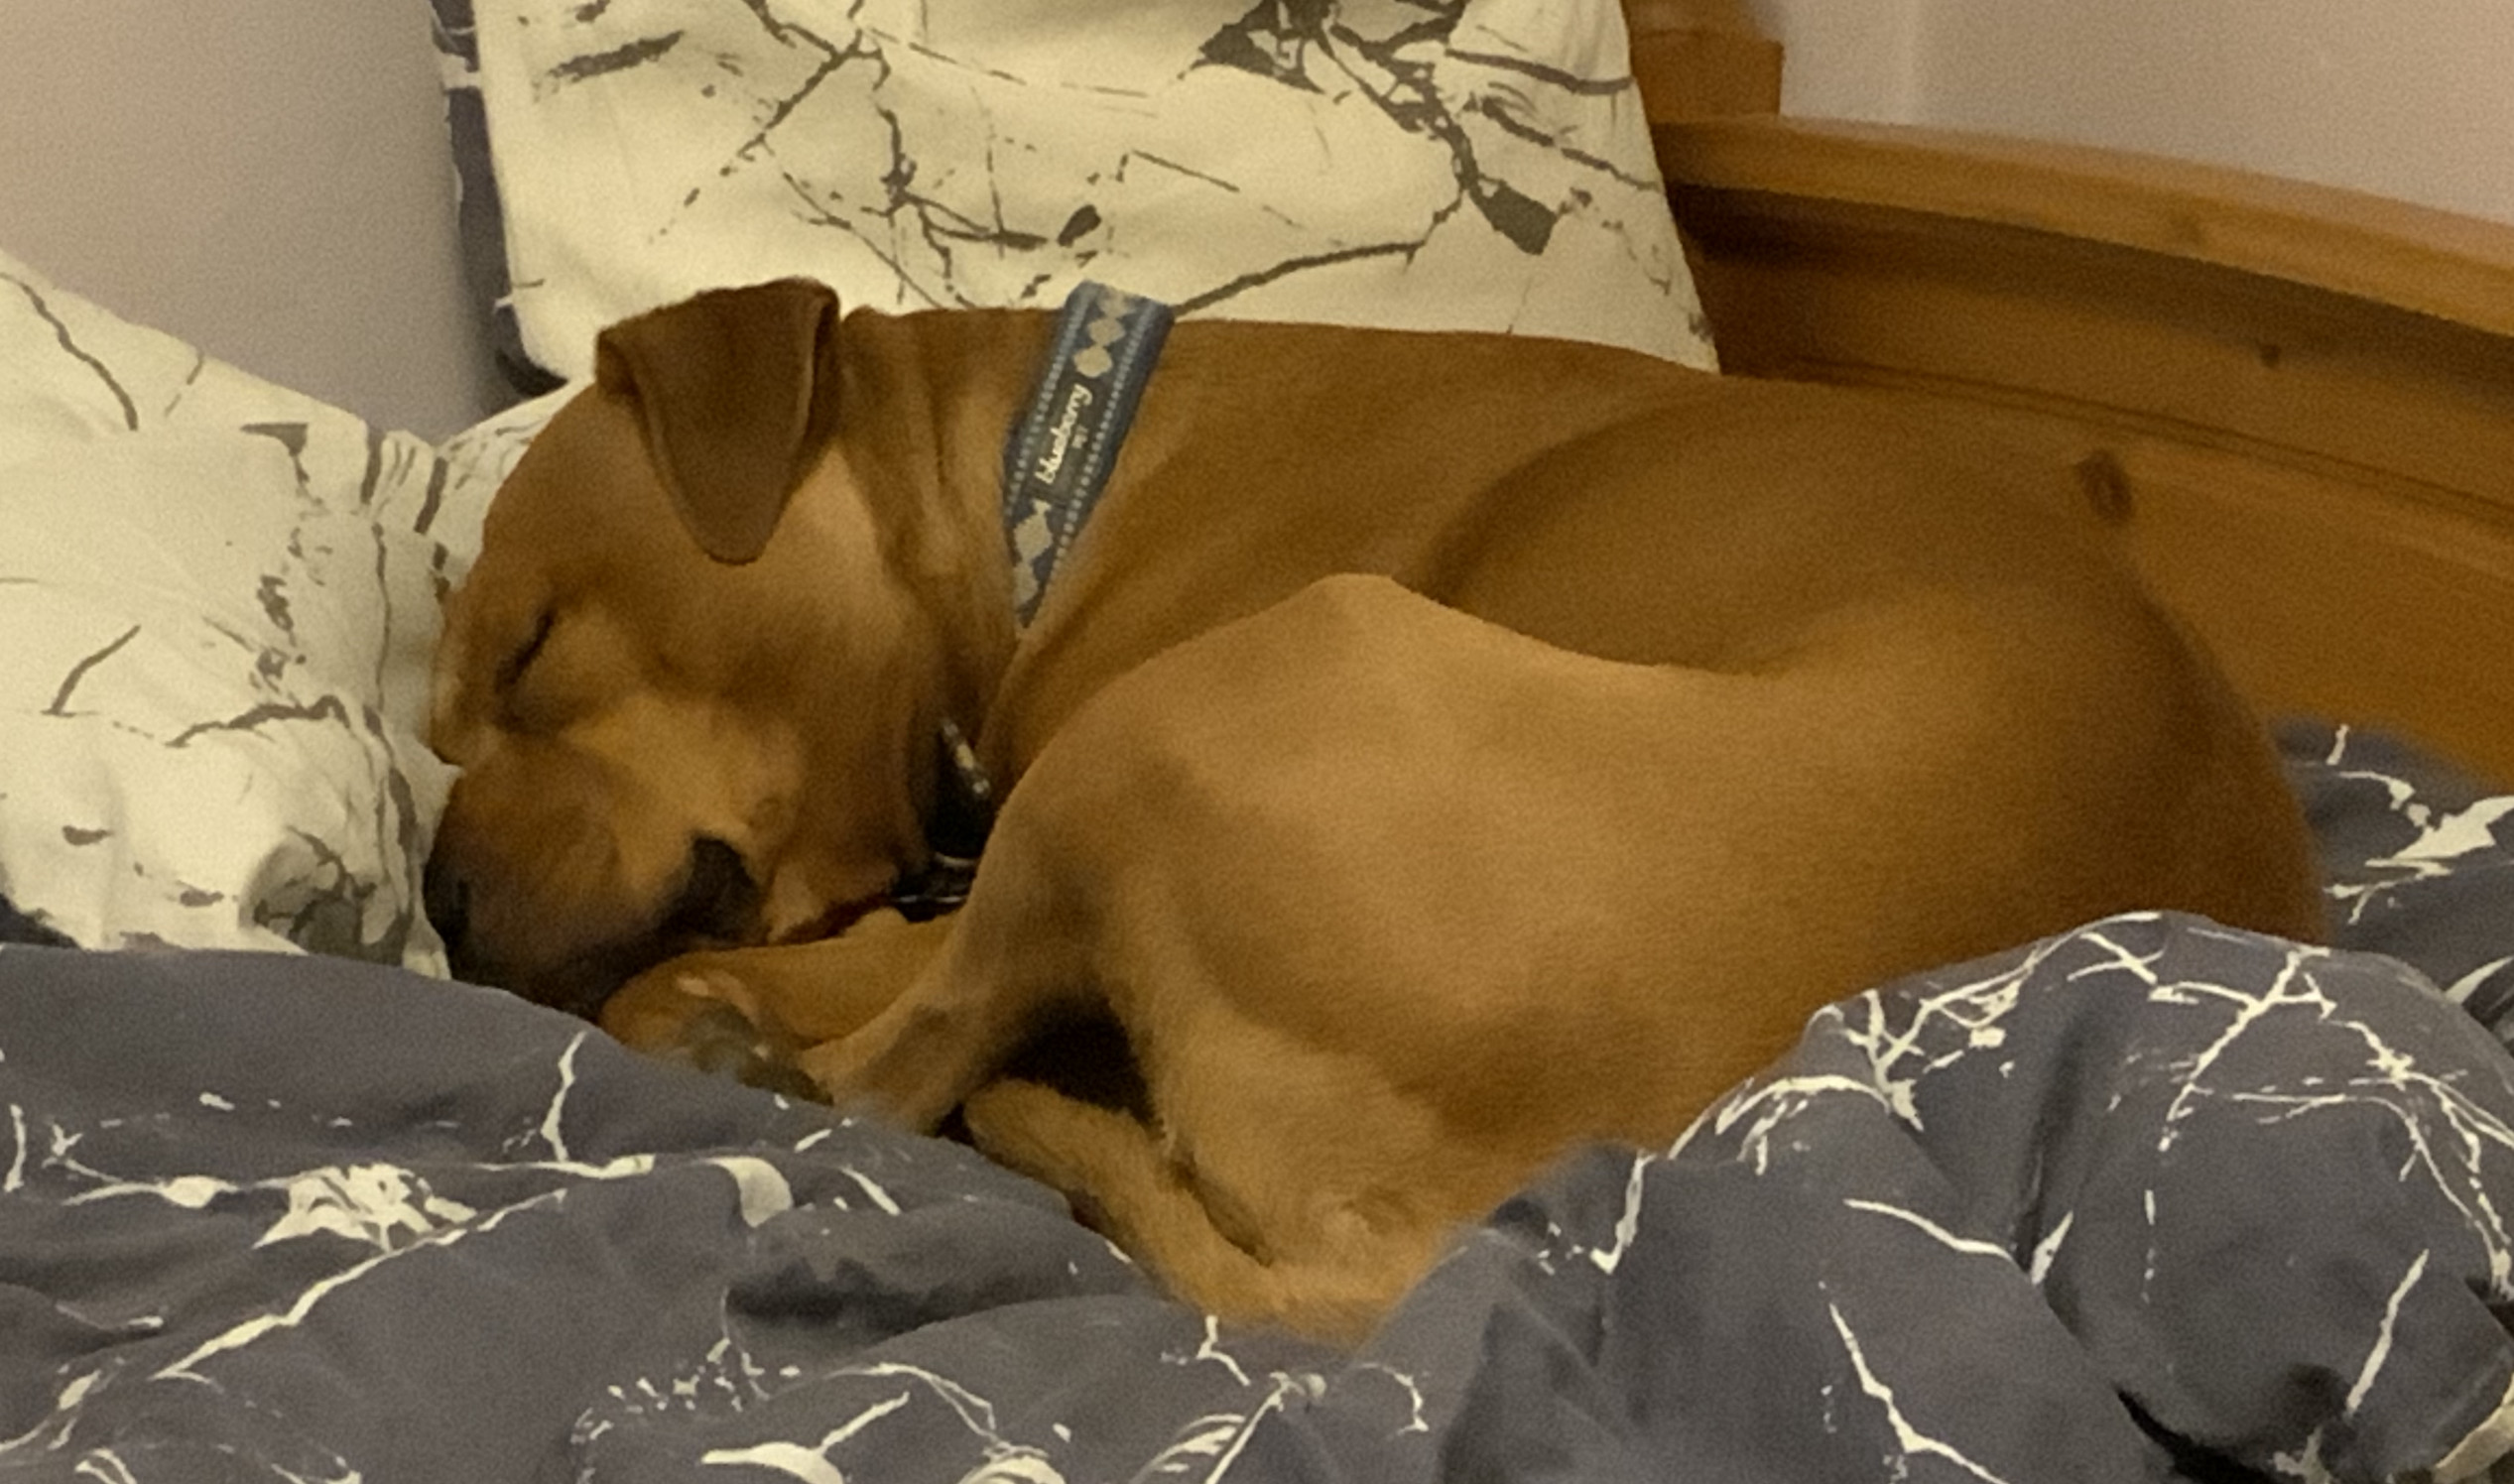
column 1432, row 750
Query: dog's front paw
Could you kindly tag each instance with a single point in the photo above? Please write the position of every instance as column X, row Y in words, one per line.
column 699, row 1011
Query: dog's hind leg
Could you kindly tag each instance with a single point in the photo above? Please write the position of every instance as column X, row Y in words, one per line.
column 1132, row 1186
column 1207, row 854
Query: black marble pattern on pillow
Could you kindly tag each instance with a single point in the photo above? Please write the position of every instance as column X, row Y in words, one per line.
column 1450, row 164
column 18, row 927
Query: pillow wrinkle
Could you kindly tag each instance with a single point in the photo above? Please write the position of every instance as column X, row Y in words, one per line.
column 1478, row 165
column 222, row 603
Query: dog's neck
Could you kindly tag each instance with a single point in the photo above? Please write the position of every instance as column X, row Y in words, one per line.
column 1083, row 384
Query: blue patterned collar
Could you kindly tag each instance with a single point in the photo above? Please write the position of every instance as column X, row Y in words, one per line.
column 1058, row 461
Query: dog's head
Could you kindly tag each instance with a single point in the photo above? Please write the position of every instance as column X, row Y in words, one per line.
column 688, row 688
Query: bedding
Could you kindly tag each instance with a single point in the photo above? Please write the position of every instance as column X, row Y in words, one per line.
column 220, row 597
column 2152, row 1199
column 1458, row 164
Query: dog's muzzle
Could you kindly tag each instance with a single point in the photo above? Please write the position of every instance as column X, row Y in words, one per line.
column 716, row 905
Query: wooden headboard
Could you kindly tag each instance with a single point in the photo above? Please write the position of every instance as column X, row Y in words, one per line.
column 2300, row 401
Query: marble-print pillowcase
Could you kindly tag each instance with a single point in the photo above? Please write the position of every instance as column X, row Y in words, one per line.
column 1425, row 164
column 220, row 599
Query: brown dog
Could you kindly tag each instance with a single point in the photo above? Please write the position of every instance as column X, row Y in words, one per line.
column 1441, row 751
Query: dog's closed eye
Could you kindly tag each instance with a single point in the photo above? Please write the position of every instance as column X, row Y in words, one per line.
column 511, row 670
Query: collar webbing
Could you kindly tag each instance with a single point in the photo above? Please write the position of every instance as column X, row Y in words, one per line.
column 1058, row 461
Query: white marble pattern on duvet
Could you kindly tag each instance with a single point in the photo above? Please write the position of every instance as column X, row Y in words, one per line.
column 1452, row 164
column 2419, row 860
column 2206, row 1063
column 381, row 1216
column 219, row 598
column 2149, row 1200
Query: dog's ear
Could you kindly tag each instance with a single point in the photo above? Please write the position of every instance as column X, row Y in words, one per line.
column 736, row 392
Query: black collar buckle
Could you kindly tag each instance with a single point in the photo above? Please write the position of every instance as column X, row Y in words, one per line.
column 956, row 835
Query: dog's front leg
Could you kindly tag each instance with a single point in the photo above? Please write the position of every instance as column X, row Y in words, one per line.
column 749, row 1013
column 1017, row 961
column 928, row 1049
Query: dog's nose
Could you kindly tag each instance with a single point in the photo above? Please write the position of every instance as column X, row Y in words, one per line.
column 717, row 899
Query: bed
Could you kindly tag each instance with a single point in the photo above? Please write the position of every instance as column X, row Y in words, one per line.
column 2150, row 1199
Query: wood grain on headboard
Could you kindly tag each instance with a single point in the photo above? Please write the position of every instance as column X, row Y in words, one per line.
column 1701, row 58
column 2299, row 401
column 2301, row 398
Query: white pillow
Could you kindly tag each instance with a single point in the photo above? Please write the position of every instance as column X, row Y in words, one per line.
column 220, row 599
column 1475, row 165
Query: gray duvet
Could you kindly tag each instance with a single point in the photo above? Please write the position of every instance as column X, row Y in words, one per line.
column 2151, row 1200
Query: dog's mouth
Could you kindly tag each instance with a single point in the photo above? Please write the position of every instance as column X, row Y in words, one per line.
column 720, row 899
column 836, row 920
column 722, row 904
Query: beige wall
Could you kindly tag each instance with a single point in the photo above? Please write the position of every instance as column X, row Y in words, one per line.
column 2409, row 98
column 266, row 178
column 1846, row 58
